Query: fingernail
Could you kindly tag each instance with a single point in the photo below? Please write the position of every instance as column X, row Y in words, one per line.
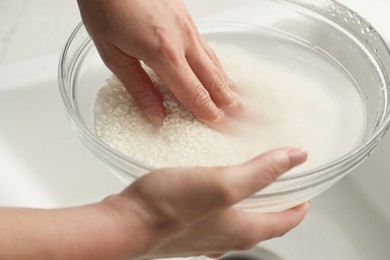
column 297, row 156
column 220, row 116
column 220, row 123
column 154, row 117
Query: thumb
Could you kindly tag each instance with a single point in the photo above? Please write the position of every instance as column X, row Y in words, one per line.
column 182, row 195
column 254, row 175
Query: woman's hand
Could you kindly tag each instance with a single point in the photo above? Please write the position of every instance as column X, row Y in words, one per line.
column 189, row 211
column 167, row 213
column 162, row 34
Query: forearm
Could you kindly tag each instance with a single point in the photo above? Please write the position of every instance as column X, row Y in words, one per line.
column 90, row 232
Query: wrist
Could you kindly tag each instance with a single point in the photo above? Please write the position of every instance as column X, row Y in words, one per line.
column 135, row 232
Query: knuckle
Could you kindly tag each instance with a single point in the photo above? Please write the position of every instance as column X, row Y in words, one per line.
column 108, row 61
column 190, row 34
column 275, row 234
column 201, row 96
column 219, row 84
column 273, row 168
column 223, row 195
column 286, row 228
column 169, row 51
column 117, row 64
column 214, row 57
column 141, row 96
column 166, row 48
column 187, row 27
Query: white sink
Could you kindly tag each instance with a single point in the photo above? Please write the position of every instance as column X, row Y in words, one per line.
column 350, row 221
column 43, row 164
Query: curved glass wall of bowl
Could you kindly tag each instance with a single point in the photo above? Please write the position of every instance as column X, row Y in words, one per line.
column 318, row 26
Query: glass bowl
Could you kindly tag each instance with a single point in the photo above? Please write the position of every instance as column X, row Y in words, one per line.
column 323, row 28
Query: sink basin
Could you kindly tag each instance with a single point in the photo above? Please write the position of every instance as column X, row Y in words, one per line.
column 45, row 165
column 349, row 221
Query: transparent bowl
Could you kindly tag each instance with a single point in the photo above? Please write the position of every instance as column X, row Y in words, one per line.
column 323, row 27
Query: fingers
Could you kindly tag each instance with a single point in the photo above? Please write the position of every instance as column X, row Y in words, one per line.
column 137, row 82
column 237, row 230
column 216, row 61
column 199, row 200
column 247, row 229
column 196, row 78
column 279, row 223
column 189, row 90
column 195, row 186
column 254, row 175
column 206, row 67
column 209, row 70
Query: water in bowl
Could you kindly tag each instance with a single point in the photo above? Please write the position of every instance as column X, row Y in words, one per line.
column 293, row 93
column 298, row 94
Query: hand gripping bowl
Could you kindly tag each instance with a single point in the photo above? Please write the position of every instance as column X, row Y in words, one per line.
column 323, row 27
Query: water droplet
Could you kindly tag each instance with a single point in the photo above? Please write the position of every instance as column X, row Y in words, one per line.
column 350, row 14
column 332, row 10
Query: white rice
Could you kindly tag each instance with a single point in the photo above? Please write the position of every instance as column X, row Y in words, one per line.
column 182, row 140
column 293, row 108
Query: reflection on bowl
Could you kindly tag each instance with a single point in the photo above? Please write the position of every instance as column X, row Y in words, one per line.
column 321, row 29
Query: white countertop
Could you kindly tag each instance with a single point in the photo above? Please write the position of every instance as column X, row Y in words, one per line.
column 33, row 28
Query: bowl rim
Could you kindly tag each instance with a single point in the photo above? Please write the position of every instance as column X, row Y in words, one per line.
column 365, row 147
